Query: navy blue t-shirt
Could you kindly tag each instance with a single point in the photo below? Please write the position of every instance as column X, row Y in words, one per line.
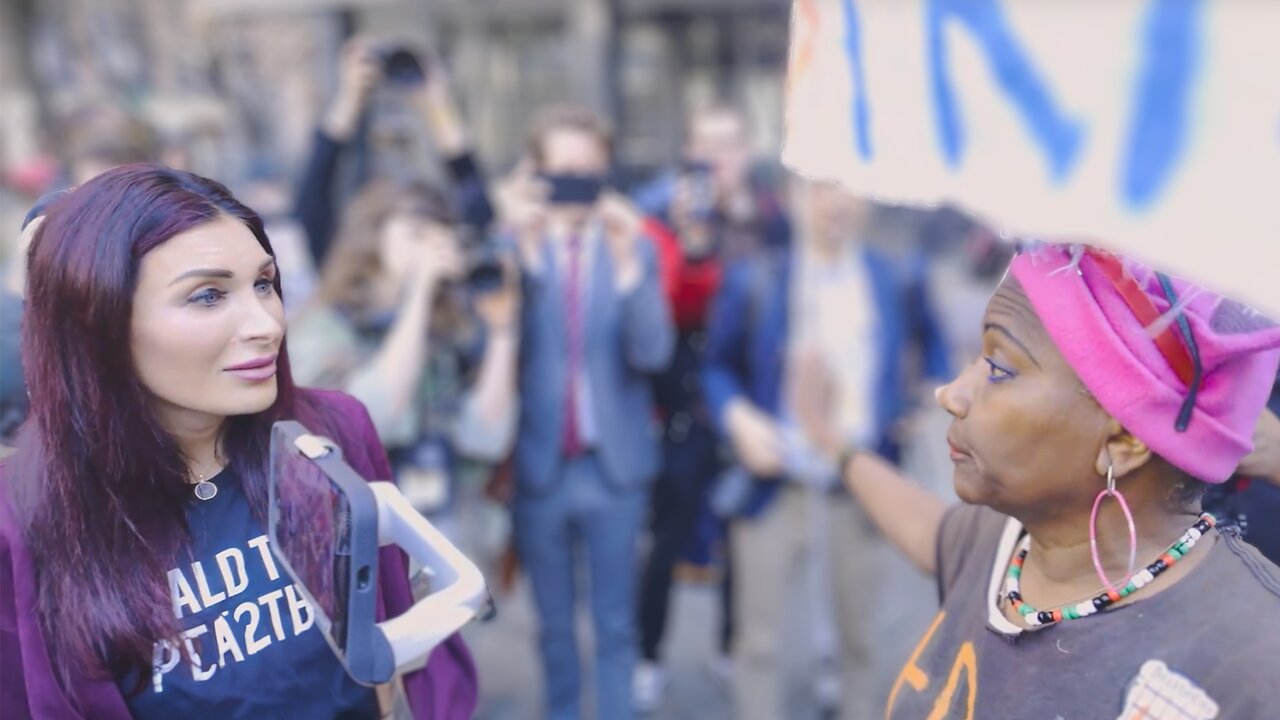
column 260, row 654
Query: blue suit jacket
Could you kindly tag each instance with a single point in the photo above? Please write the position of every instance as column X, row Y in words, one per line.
column 747, row 341
column 627, row 339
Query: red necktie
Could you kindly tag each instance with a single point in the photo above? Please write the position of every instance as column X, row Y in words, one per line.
column 572, row 438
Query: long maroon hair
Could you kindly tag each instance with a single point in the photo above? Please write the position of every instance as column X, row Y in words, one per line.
column 98, row 484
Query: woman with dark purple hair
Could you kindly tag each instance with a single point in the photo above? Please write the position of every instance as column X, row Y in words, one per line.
column 137, row 578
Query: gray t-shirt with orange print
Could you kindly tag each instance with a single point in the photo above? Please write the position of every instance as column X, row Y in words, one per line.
column 1207, row 647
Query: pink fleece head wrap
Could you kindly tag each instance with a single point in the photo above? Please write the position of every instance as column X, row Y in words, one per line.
column 1117, row 357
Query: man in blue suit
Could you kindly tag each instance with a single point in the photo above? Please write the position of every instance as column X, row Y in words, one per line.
column 595, row 325
column 831, row 305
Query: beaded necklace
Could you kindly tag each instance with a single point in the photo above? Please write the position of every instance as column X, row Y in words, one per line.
column 1141, row 579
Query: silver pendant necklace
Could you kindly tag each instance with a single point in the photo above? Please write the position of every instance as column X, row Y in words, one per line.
column 204, row 489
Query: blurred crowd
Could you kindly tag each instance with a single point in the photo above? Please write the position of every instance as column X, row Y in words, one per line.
column 584, row 383
column 567, row 371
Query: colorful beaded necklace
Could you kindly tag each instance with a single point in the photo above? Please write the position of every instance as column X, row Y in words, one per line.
column 1139, row 580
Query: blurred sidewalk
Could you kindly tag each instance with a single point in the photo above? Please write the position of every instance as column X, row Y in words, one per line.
column 510, row 677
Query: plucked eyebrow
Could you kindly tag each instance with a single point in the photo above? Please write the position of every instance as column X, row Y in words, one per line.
column 217, row 272
column 989, row 327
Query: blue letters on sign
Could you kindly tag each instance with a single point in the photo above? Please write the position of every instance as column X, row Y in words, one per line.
column 860, row 113
column 1059, row 136
column 1163, row 96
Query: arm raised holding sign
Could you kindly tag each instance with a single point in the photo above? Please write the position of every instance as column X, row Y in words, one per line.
column 904, row 511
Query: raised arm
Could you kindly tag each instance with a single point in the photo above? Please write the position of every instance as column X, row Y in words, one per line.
column 358, row 75
column 905, row 512
column 388, row 383
column 435, row 103
column 486, row 424
column 648, row 332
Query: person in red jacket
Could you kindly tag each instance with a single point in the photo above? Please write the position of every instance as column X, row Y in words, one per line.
column 718, row 206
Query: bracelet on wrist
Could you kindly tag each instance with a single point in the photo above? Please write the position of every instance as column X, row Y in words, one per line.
column 847, row 456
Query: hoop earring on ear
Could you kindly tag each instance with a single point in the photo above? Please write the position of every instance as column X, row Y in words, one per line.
column 1093, row 533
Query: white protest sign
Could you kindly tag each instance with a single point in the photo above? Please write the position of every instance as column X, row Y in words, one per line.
column 1148, row 126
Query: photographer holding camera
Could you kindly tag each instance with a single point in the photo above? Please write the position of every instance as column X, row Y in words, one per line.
column 595, row 326
column 396, row 325
column 717, row 208
column 423, row 84
column 415, row 312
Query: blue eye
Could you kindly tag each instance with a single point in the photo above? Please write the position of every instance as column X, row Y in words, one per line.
column 264, row 286
column 207, row 298
column 998, row 374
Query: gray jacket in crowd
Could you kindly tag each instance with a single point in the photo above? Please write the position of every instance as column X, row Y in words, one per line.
column 628, row 338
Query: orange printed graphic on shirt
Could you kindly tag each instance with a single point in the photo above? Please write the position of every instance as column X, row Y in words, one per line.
column 911, row 673
column 966, row 661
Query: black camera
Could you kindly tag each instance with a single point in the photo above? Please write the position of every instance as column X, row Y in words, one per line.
column 402, row 67
column 485, row 270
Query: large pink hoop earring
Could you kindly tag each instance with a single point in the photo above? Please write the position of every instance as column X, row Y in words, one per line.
column 1093, row 533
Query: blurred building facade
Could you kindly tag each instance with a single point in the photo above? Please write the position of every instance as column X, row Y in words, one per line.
column 643, row 63
column 236, row 85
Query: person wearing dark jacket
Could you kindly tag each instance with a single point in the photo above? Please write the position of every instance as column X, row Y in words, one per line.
column 717, row 208
column 1251, row 500
column 13, row 389
column 833, row 301
column 359, row 76
column 13, row 386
